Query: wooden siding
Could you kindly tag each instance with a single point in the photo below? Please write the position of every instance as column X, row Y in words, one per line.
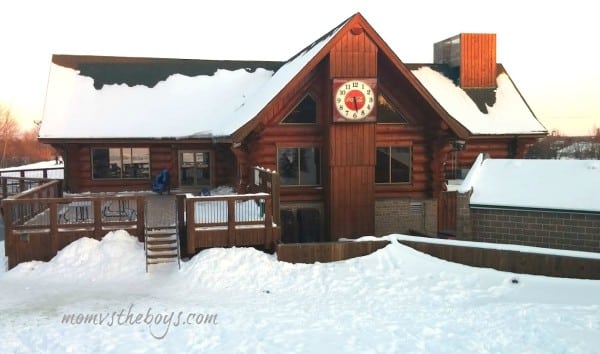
column 351, row 180
column 354, row 55
column 477, row 60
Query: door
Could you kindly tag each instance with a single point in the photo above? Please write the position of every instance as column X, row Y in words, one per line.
column 194, row 169
column 447, row 214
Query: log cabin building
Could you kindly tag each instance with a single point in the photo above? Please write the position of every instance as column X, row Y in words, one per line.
column 366, row 140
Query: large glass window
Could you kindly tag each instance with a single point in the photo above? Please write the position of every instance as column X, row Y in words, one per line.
column 120, row 163
column 299, row 166
column 304, row 113
column 393, row 165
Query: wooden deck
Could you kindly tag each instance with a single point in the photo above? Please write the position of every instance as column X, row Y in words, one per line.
column 39, row 221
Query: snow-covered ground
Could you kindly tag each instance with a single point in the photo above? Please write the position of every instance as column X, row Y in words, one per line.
column 396, row 300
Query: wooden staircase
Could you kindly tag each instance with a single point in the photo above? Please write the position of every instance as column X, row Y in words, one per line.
column 162, row 245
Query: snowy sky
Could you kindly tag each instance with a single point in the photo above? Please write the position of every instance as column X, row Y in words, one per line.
column 547, row 61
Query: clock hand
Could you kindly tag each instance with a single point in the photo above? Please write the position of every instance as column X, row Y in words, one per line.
column 355, row 104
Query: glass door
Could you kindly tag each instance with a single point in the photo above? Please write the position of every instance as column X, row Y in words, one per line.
column 194, row 168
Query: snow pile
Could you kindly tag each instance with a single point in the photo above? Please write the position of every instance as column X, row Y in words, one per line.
column 117, row 255
column 509, row 115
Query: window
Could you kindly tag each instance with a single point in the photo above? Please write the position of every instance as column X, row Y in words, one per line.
column 299, row 166
column 121, row 163
column 304, row 113
column 393, row 165
column 386, row 113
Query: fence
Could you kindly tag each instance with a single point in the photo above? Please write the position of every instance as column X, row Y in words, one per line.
column 326, row 251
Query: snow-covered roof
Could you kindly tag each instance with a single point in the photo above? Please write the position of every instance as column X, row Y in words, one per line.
column 218, row 104
column 202, row 106
column 508, row 115
column 566, row 185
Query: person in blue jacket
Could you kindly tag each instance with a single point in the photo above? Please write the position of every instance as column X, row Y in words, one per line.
column 162, row 182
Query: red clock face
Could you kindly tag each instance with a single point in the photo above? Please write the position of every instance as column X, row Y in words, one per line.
column 354, row 100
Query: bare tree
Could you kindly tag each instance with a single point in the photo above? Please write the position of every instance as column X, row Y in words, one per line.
column 9, row 130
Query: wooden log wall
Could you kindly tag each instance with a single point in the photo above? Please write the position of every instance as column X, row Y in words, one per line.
column 79, row 166
column 261, row 146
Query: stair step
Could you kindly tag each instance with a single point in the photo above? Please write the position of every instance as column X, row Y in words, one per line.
column 162, row 237
column 162, row 247
column 161, row 230
column 165, row 251
column 161, row 255
column 161, row 260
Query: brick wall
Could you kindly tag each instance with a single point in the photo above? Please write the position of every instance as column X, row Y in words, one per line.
column 537, row 228
column 401, row 215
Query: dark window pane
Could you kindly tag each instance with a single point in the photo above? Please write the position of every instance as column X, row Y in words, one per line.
column 386, row 113
column 382, row 165
column 115, row 162
column 140, row 158
column 288, row 166
column 100, row 164
column 304, row 113
column 400, row 165
column 393, row 165
column 121, row 162
column 310, row 166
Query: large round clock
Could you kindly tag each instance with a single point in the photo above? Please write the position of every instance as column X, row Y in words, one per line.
column 354, row 99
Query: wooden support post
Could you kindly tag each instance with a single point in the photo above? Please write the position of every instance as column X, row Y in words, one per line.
column 9, row 238
column 268, row 224
column 181, row 225
column 53, row 228
column 141, row 218
column 4, row 187
column 97, row 205
column 191, row 225
column 230, row 222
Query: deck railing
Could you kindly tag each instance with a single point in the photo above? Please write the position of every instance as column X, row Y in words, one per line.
column 231, row 220
column 37, row 226
column 46, row 173
column 11, row 186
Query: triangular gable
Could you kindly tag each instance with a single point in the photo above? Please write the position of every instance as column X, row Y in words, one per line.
column 325, row 43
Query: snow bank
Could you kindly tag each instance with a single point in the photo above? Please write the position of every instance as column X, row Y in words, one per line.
column 117, row 256
column 394, row 300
